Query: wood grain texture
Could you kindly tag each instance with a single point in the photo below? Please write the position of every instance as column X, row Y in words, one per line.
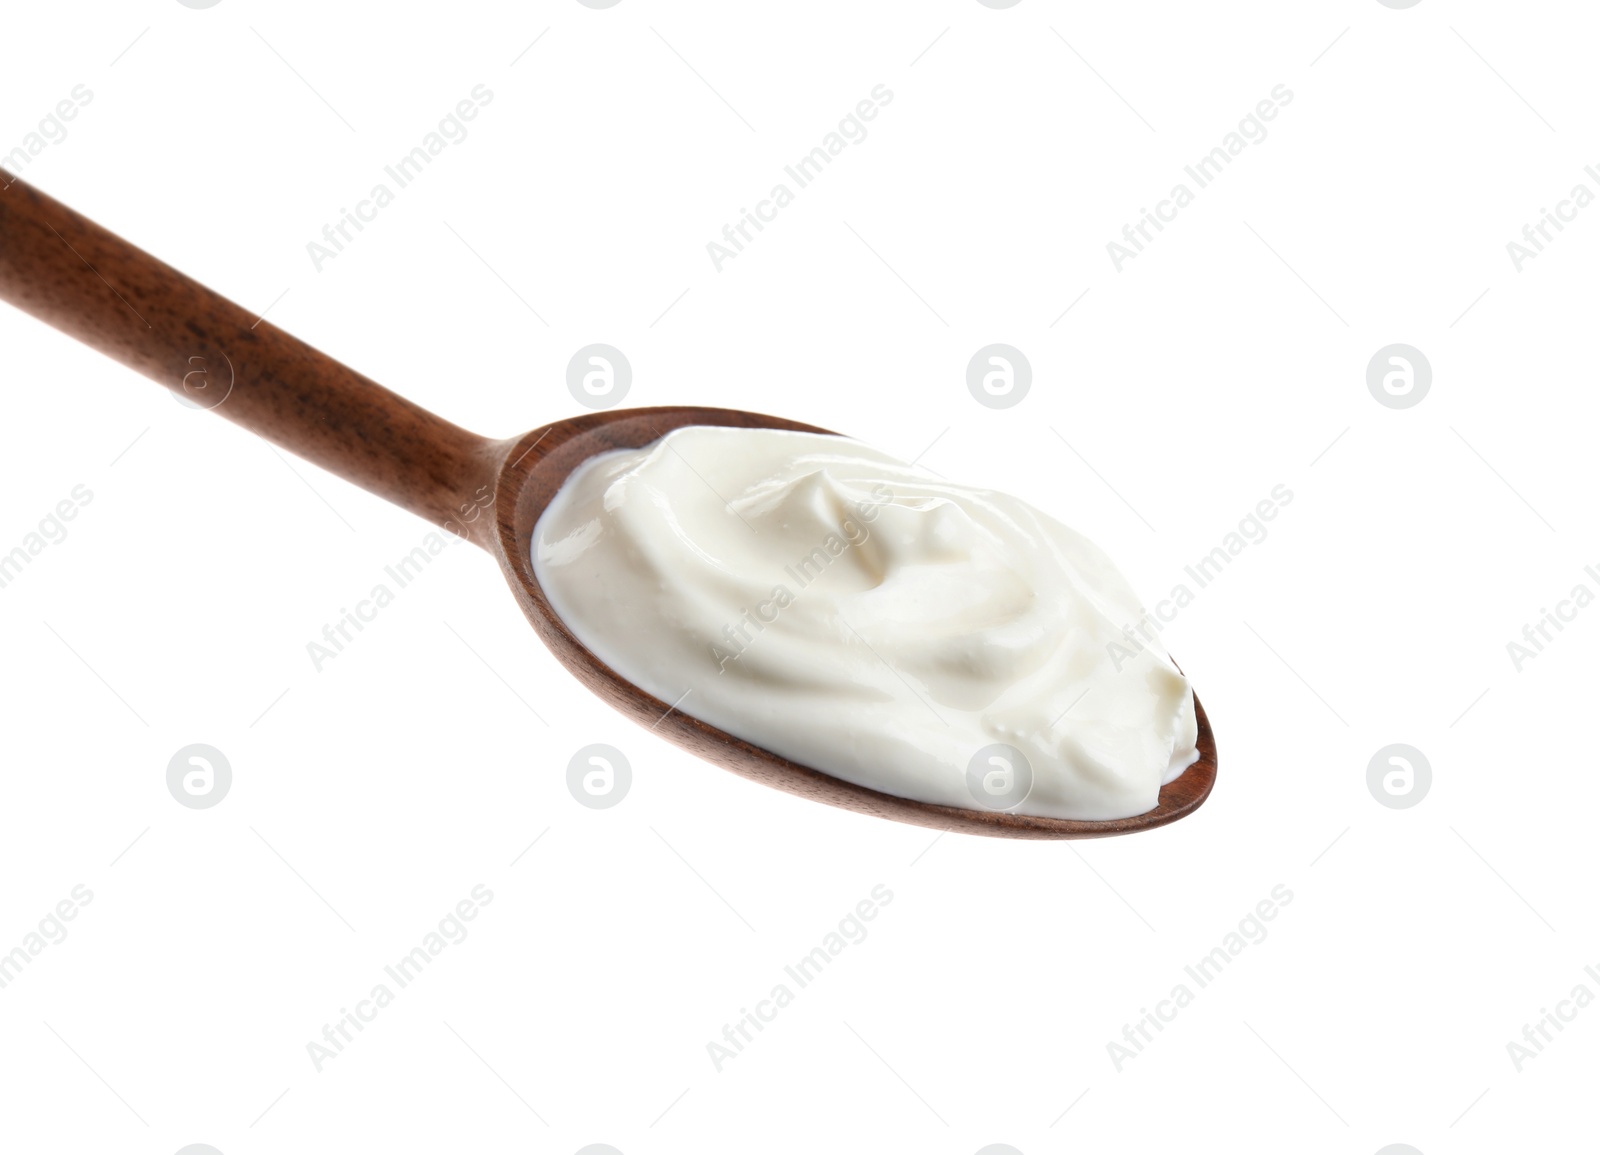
column 535, row 469
column 77, row 276
column 91, row 284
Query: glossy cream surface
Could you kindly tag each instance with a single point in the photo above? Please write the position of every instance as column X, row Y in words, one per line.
column 868, row 619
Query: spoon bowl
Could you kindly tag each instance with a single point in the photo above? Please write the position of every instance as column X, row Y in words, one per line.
column 537, row 465
column 86, row 281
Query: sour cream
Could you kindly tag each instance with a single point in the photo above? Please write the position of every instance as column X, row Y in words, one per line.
column 865, row 618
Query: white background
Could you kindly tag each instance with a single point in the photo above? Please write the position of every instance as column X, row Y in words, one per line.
column 1228, row 358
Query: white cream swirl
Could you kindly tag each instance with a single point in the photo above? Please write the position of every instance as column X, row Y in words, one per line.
column 828, row 603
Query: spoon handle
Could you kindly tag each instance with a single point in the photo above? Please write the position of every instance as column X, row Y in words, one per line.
column 91, row 284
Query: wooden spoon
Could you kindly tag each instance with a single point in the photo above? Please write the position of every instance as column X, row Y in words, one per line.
column 89, row 283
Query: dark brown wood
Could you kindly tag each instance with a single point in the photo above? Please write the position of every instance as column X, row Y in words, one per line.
column 89, row 283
